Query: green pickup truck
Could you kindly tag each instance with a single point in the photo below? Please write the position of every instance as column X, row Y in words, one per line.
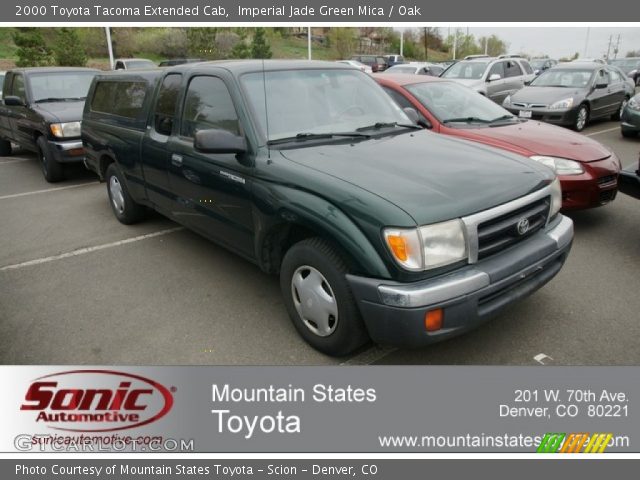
column 308, row 169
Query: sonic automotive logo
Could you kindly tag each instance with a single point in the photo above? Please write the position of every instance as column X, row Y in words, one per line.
column 115, row 400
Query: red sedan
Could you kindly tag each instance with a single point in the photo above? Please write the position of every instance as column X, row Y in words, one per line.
column 588, row 171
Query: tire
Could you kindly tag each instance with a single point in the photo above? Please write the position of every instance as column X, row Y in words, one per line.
column 335, row 328
column 51, row 169
column 124, row 208
column 628, row 133
column 618, row 113
column 582, row 118
column 5, row 148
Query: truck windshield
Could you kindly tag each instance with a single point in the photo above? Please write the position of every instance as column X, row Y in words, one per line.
column 60, row 86
column 318, row 102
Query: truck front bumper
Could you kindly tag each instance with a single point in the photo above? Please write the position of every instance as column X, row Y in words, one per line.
column 70, row 151
column 394, row 313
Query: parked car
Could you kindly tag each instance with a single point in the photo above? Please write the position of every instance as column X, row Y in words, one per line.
column 588, row 171
column 394, row 60
column 589, row 60
column 571, row 94
column 539, row 65
column 416, row 69
column 495, row 78
column 360, row 66
column 378, row 63
column 132, row 64
column 630, row 66
column 311, row 171
column 41, row 112
column 630, row 84
column 630, row 182
column 630, row 118
column 178, row 61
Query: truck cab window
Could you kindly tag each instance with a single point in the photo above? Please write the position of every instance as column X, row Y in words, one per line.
column 166, row 104
column 207, row 105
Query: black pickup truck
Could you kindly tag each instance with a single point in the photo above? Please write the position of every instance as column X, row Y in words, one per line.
column 41, row 111
column 309, row 170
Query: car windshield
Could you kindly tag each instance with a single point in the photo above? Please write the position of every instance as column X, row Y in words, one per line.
column 569, row 78
column 318, row 101
column 139, row 64
column 467, row 70
column 58, row 86
column 401, row 69
column 454, row 103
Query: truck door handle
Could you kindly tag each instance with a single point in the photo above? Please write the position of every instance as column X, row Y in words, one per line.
column 176, row 159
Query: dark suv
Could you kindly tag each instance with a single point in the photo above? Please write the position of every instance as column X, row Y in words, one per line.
column 312, row 172
column 378, row 63
column 41, row 112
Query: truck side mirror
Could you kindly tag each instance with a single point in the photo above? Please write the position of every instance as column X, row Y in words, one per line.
column 13, row 101
column 219, row 141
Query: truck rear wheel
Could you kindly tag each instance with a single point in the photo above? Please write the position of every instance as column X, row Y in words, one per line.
column 124, row 208
column 5, row 148
column 318, row 298
column 51, row 169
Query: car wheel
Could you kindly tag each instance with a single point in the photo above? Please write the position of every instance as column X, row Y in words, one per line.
column 124, row 208
column 618, row 114
column 318, row 298
column 582, row 118
column 5, row 148
column 51, row 169
column 628, row 133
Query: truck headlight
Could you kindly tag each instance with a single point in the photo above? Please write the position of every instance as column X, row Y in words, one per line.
column 562, row 104
column 556, row 198
column 63, row 130
column 561, row 166
column 429, row 246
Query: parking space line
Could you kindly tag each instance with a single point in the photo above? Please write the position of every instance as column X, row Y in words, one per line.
column 369, row 356
column 83, row 251
column 15, row 160
column 46, row 190
column 601, row 131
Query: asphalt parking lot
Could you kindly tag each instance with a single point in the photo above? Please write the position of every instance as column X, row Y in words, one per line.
column 77, row 287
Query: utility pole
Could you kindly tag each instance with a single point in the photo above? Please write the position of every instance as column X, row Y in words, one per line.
column 309, row 42
column 426, row 50
column 486, row 45
column 609, row 47
column 617, row 49
column 402, row 41
column 455, row 42
column 586, row 42
column 107, row 31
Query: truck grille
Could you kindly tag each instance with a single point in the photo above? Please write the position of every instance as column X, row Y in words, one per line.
column 502, row 231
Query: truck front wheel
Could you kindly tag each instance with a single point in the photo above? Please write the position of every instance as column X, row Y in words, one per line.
column 51, row 169
column 318, row 298
column 124, row 208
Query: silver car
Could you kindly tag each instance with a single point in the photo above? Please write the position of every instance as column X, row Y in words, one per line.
column 495, row 78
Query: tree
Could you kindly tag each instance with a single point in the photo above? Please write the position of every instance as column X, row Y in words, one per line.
column 32, row 49
column 259, row 46
column 202, row 42
column 343, row 41
column 241, row 48
column 493, row 45
column 68, row 50
column 633, row 53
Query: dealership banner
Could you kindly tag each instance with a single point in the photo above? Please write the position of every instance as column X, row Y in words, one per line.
column 308, row 11
column 223, row 409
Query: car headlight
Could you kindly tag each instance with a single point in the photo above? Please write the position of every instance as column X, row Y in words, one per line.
column 562, row 104
column 429, row 246
column 556, row 198
column 561, row 166
column 507, row 101
column 69, row 129
column 634, row 104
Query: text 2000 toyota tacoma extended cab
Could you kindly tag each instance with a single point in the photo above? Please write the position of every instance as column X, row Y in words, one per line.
column 308, row 169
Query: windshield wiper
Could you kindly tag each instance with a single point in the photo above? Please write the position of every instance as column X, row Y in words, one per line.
column 466, row 120
column 61, row 99
column 379, row 125
column 301, row 137
column 500, row 120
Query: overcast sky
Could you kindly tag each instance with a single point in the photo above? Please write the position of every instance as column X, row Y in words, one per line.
column 561, row 41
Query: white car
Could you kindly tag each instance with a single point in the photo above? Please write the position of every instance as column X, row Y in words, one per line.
column 358, row 65
column 416, row 68
column 133, row 64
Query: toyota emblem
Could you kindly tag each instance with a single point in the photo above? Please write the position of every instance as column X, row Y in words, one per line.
column 523, row 226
